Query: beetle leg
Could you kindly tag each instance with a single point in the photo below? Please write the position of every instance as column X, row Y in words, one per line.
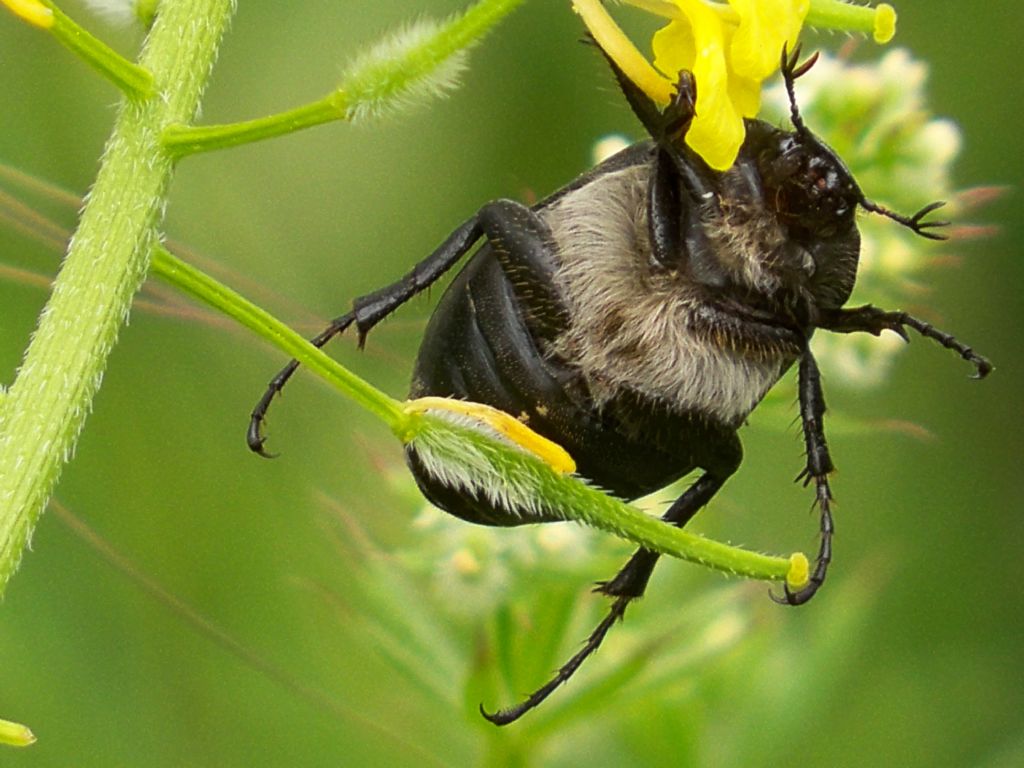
column 374, row 307
column 368, row 311
column 819, row 465
column 870, row 319
column 523, row 245
column 665, row 211
column 626, row 586
column 254, row 436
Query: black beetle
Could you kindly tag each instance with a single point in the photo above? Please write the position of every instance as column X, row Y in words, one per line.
column 638, row 315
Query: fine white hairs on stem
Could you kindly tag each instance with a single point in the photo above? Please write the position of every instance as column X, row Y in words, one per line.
column 455, row 460
column 406, row 68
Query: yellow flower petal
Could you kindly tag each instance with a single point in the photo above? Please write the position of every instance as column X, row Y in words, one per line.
column 765, row 25
column 717, row 131
column 745, row 94
column 730, row 50
column 614, row 42
column 674, row 49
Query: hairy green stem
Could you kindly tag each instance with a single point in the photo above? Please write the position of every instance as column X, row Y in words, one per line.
column 458, row 446
column 879, row 21
column 46, row 406
column 403, row 68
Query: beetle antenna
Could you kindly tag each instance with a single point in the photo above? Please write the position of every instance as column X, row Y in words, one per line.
column 791, row 69
column 914, row 223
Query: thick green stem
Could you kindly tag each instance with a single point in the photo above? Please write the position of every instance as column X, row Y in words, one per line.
column 46, row 406
column 879, row 21
column 481, row 463
column 840, row 15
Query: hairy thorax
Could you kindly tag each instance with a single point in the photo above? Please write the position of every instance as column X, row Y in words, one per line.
column 638, row 327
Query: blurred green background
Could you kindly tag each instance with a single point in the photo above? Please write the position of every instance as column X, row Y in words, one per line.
column 911, row 657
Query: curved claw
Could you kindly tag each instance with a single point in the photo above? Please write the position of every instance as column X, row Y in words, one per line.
column 256, row 443
column 983, row 367
column 801, row 596
column 567, row 670
column 791, row 67
column 254, row 436
column 502, row 716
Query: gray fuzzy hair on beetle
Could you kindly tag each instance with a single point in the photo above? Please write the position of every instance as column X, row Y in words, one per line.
column 638, row 315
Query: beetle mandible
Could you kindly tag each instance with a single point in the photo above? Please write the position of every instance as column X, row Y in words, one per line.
column 638, row 315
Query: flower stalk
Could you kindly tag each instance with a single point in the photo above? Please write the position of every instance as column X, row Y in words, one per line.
column 839, row 15
column 423, row 60
column 133, row 80
column 201, row 286
column 46, row 406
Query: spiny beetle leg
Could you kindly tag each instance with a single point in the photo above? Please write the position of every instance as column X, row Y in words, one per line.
column 871, row 319
column 626, row 586
column 254, row 436
column 819, row 465
column 369, row 310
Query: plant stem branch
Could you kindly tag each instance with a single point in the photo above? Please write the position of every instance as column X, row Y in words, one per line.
column 181, row 140
column 46, row 406
column 201, row 286
column 134, row 80
column 453, row 444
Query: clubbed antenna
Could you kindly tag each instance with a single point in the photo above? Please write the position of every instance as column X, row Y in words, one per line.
column 792, row 69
